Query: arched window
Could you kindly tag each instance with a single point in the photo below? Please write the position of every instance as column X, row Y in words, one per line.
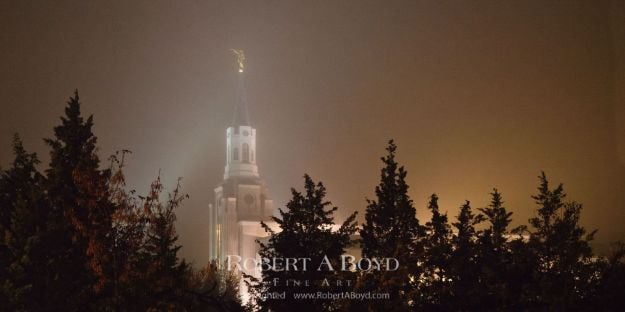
column 246, row 153
column 252, row 155
column 235, row 154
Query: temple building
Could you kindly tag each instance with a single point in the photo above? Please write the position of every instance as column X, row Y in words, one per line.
column 241, row 200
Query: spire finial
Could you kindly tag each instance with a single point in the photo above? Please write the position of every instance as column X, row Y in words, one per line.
column 241, row 117
column 240, row 58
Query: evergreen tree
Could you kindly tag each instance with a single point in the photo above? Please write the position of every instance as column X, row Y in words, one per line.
column 81, row 214
column 391, row 229
column 439, row 235
column 464, row 239
column 494, row 254
column 562, row 249
column 498, row 218
column 22, row 232
column 436, row 285
column 464, row 268
column 305, row 232
column 165, row 274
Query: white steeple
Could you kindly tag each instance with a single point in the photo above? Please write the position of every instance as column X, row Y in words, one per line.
column 242, row 199
column 241, row 138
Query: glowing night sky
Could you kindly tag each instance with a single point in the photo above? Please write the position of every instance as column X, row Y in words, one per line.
column 477, row 94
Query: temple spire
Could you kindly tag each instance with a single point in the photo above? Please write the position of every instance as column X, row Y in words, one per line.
column 241, row 115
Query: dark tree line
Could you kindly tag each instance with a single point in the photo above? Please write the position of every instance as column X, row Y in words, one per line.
column 73, row 238
column 473, row 262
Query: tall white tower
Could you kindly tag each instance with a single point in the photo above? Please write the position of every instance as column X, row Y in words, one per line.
column 241, row 200
column 241, row 139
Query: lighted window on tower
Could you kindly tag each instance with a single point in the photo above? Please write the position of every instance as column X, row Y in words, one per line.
column 246, row 153
column 235, row 154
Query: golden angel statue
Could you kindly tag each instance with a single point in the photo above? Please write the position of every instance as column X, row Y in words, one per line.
column 240, row 58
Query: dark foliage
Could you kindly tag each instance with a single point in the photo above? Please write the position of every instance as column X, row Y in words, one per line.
column 391, row 229
column 475, row 263
column 23, row 224
column 74, row 239
column 306, row 231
